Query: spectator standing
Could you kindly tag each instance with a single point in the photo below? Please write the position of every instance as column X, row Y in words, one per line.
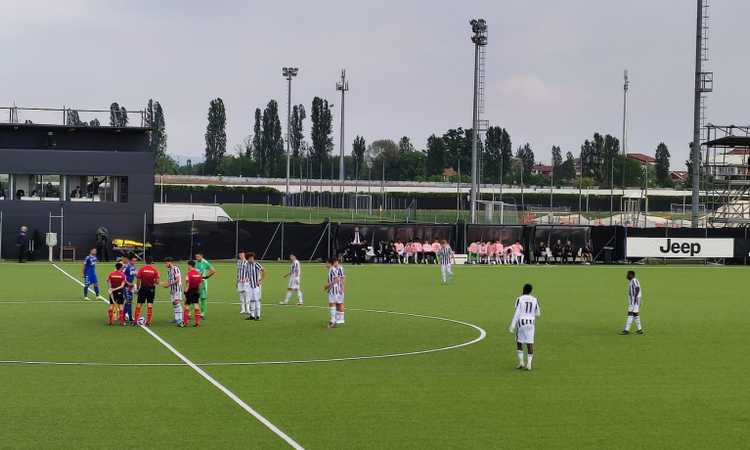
column 22, row 243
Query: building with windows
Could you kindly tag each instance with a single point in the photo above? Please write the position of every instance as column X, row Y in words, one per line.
column 72, row 180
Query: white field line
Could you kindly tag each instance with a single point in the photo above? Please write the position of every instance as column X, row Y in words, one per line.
column 480, row 337
column 292, row 443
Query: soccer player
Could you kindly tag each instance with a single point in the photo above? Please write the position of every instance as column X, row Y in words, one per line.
column 207, row 271
column 193, row 282
column 116, row 280
column 128, row 268
column 256, row 275
column 445, row 258
column 634, row 304
column 335, row 287
column 243, row 280
column 147, row 278
column 89, row 274
column 174, row 283
column 524, row 318
column 294, row 275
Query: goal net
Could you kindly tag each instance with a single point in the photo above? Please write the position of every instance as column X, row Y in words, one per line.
column 497, row 212
column 363, row 203
column 555, row 215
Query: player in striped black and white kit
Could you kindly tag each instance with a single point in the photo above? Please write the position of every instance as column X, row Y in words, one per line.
column 255, row 276
column 335, row 286
column 634, row 304
column 243, row 278
column 174, row 283
column 294, row 275
column 524, row 320
column 445, row 259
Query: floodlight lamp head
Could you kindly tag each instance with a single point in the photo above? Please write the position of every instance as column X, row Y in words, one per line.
column 478, row 26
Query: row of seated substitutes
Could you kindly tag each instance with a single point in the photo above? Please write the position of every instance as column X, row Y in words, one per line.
column 495, row 253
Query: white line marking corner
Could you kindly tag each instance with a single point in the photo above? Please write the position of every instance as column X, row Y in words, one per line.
column 292, row 443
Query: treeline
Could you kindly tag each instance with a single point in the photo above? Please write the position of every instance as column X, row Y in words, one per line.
column 443, row 157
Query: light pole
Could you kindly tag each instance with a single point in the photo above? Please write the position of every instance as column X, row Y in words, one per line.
column 342, row 86
column 626, row 86
column 479, row 28
column 288, row 73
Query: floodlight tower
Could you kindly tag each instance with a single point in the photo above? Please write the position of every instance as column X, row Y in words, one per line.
column 288, row 73
column 479, row 38
column 342, row 86
column 703, row 85
column 625, row 88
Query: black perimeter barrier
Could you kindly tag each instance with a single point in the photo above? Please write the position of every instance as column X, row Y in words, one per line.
column 386, row 232
column 276, row 240
column 222, row 240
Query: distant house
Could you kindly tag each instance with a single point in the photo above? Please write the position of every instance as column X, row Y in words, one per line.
column 679, row 176
column 642, row 159
column 541, row 169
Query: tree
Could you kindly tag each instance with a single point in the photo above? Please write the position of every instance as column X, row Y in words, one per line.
column 662, row 165
column 74, row 120
column 94, row 123
column 526, row 155
column 385, row 156
column 405, row 146
column 456, row 154
column 435, row 160
column 492, row 165
column 216, row 136
column 272, row 142
column 610, row 150
column 296, row 135
column 359, row 146
column 568, row 168
column 506, row 152
column 118, row 115
column 597, row 156
column 557, row 160
column 412, row 165
column 158, row 137
column 320, row 133
column 260, row 158
column 588, row 159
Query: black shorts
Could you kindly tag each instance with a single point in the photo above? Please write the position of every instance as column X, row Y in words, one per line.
column 146, row 295
column 117, row 297
column 192, row 296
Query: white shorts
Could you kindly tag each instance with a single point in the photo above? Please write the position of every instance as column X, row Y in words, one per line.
column 634, row 306
column 525, row 334
column 336, row 298
column 293, row 282
column 176, row 296
column 242, row 287
column 445, row 268
column 252, row 294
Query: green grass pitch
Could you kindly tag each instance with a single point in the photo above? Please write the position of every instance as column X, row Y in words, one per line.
column 681, row 385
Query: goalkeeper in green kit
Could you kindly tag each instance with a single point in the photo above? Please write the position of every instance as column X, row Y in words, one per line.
column 207, row 271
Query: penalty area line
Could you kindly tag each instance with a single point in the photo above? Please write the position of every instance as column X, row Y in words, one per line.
column 241, row 403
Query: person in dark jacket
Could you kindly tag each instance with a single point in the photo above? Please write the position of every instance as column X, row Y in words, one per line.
column 22, row 243
column 102, row 243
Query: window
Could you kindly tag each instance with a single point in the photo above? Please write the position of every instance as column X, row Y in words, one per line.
column 84, row 188
column 38, row 187
column 4, row 186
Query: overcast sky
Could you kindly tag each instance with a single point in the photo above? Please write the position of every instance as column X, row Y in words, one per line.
column 554, row 68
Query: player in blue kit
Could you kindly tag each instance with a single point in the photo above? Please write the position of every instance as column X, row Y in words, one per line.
column 89, row 274
column 129, row 270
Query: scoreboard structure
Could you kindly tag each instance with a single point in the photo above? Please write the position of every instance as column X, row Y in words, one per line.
column 72, row 180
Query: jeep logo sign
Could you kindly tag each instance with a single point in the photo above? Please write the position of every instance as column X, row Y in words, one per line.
column 672, row 247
